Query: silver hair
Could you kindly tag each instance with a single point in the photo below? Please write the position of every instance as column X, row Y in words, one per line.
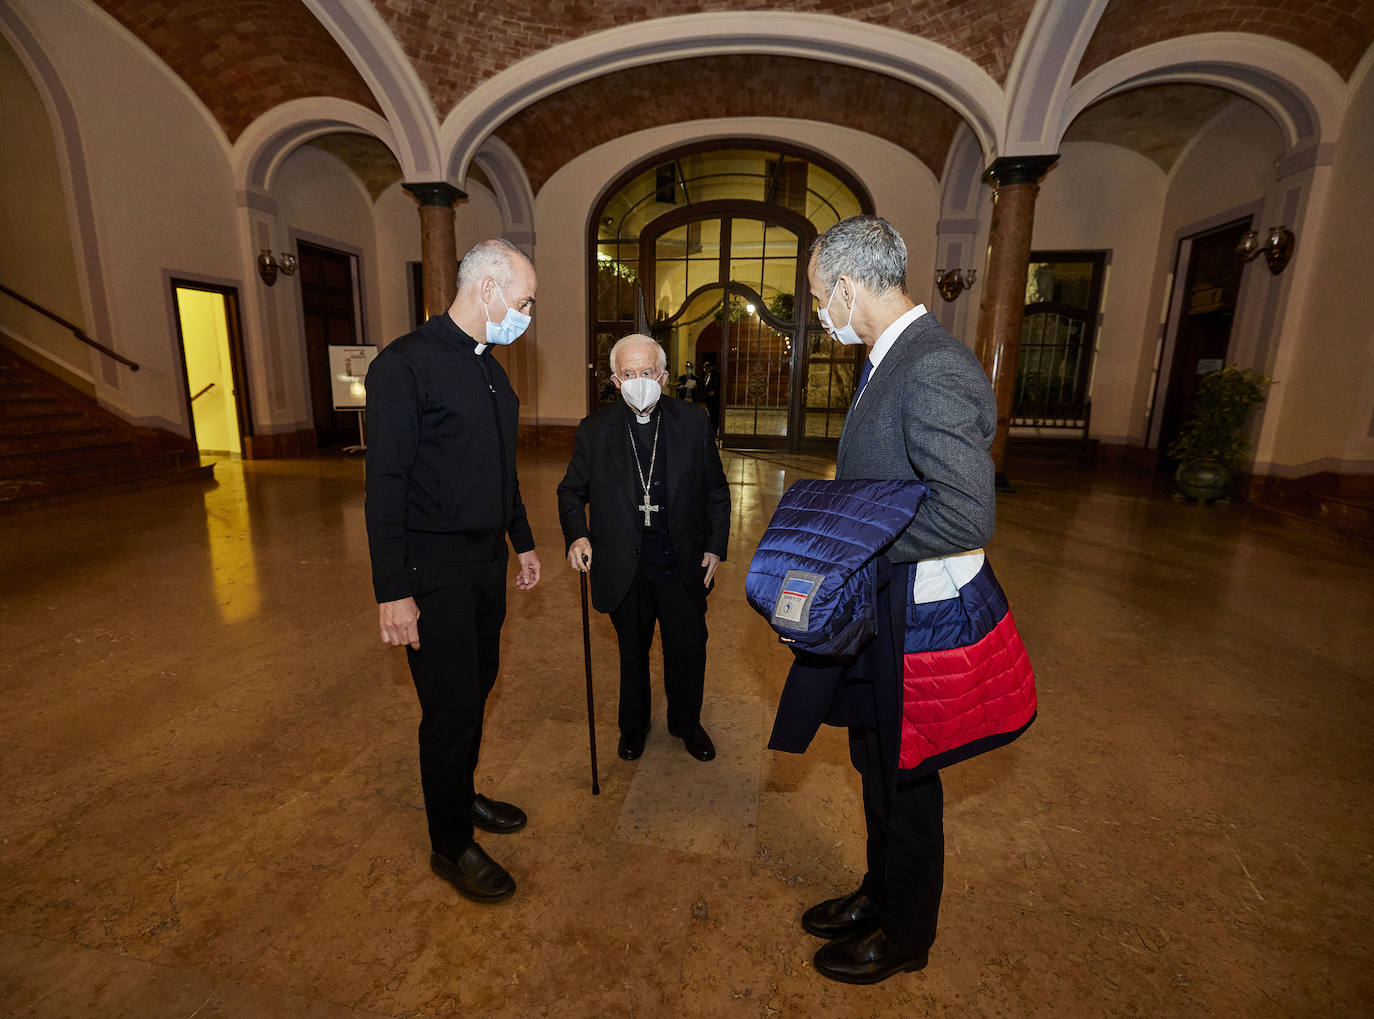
column 866, row 248
column 639, row 338
column 495, row 258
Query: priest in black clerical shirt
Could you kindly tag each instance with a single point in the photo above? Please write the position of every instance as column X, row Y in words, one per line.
column 646, row 474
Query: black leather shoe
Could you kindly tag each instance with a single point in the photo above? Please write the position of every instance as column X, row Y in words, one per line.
column 495, row 816
column 475, row 875
column 867, row 959
column 632, row 745
column 698, row 744
column 844, row 917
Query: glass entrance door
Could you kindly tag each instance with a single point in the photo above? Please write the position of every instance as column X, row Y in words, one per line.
column 724, row 290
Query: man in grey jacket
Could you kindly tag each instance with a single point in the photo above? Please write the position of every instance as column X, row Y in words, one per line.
column 923, row 410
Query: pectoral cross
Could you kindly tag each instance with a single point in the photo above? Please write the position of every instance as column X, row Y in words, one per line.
column 646, row 509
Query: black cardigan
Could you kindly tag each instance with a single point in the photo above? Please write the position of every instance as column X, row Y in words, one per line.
column 441, row 481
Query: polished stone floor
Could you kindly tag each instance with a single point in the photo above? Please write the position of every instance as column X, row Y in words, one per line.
column 212, row 806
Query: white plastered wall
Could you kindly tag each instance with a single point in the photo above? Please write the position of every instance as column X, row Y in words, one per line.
column 320, row 200
column 35, row 236
column 904, row 190
column 1226, row 172
column 161, row 192
column 1326, row 419
column 1103, row 197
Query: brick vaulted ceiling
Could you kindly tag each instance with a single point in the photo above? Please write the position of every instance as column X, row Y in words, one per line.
column 457, row 44
column 551, row 132
column 243, row 57
column 1338, row 31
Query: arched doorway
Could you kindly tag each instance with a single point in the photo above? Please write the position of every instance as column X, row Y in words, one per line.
column 705, row 249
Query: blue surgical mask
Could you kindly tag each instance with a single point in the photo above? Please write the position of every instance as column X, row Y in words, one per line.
column 510, row 327
column 845, row 334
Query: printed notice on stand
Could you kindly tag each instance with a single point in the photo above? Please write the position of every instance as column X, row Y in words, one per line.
column 348, row 374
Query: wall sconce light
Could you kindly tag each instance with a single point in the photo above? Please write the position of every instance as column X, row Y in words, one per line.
column 268, row 267
column 954, row 282
column 1277, row 247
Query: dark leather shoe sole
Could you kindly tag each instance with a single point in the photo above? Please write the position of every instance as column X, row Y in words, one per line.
column 844, row 917
column 496, row 817
column 485, row 885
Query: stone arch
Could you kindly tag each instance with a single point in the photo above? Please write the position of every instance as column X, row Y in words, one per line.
column 514, row 195
column 1303, row 95
column 259, row 151
column 375, row 52
column 953, row 78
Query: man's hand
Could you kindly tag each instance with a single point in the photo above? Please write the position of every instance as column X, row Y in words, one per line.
column 529, row 570
column 580, row 555
column 709, row 562
column 400, row 622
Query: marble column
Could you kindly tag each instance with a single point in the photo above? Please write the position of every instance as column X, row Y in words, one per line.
column 438, row 247
column 1016, row 180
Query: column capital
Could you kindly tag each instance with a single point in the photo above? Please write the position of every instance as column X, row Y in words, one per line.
column 439, row 193
column 1008, row 170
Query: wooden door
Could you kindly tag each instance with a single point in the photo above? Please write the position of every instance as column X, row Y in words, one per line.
column 328, row 308
column 1211, row 288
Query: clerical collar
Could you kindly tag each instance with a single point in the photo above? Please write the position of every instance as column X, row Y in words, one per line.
column 643, row 419
column 477, row 348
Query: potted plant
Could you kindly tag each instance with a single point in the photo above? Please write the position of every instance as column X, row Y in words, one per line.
column 1213, row 443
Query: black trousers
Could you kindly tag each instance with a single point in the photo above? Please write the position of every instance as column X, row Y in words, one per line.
column 906, row 845
column 462, row 606
column 682, row 629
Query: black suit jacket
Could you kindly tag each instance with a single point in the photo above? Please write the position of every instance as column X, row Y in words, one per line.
column 598, row 495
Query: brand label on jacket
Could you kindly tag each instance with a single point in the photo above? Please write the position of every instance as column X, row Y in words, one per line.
column 793, row 607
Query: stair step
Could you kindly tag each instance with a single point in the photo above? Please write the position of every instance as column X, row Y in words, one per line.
column 40, row 423
column 107, row 450
column 57, row 439
column 77, row 478
column 20, row 503
column 32, row 406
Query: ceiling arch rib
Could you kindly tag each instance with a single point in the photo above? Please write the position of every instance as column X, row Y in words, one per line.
column 950, row 77
column 242, row 64
column 1042, row 72
column 1337, row 33
column 1302, row 93
column 260, row 150
column 638, row 98
column 492, row 38
column 376, row 53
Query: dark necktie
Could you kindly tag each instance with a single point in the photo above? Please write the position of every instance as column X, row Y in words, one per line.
column 863, row 381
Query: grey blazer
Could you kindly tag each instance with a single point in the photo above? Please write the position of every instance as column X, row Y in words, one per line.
column 928, row 413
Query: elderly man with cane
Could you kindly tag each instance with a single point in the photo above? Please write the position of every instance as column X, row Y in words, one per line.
column 645, row 508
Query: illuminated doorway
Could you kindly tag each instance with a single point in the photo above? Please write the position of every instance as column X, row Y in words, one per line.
column 212, row 358
column 705, row 249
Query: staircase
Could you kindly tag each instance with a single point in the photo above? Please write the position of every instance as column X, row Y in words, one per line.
column 57, row 444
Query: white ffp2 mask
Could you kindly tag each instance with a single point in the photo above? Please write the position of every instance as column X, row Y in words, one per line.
column 640, row 394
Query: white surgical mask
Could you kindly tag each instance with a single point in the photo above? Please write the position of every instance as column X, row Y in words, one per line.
column 845, row 334
column 640, row 394
column 510, row 327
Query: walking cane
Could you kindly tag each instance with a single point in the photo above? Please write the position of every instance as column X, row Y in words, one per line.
column 587, row 658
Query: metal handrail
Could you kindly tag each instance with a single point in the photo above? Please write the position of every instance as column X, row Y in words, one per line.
column 203, row 392
column 77, row 331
